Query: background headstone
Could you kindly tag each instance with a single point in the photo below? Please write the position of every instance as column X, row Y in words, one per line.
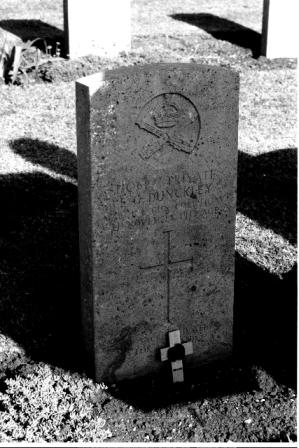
column 157, row 159
column 97, row 27
column 280, row 29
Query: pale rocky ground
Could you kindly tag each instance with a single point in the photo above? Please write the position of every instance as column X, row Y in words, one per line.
column 30, row 374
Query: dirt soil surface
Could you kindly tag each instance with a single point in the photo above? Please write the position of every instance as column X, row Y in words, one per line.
column 45, row 393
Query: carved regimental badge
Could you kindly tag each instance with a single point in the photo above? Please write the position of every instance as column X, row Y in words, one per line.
column 170, row 122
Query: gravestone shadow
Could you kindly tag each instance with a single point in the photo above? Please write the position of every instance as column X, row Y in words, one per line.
column 35, row 29
column 265, row 324
column 39, row 265
column 267, row 190
column 224, row 29
column 215, row 380
column 46, row 154
column 265, row 305
column 40, row 291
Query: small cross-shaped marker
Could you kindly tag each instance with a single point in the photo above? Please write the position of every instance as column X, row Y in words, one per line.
column 175, row 353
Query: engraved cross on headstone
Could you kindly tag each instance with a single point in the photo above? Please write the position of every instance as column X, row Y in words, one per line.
column 175, row 353
column 168, row 263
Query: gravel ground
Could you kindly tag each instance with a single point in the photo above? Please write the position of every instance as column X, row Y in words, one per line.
column 45, row 394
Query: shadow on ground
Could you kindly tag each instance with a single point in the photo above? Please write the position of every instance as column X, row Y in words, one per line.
column 265, row 305
column 40, row 298
column 50, row 156
column 265, row 327
column 224, row 29
column 267, row 190
column 39, row 265
column 35, row 29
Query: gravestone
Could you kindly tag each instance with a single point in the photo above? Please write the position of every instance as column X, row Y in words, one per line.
column 280, row 29
column 97, row 27
column 157, row 161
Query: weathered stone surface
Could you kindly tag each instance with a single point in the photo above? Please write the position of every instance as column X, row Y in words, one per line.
column 280, row 29
column 157, row 154
column 97, row 27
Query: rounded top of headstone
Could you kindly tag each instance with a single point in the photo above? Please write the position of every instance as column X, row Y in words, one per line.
column 161, row 66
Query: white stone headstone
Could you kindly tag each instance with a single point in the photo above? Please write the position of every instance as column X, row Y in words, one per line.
column 280, row 29
column 157, row 171
column 97, row 27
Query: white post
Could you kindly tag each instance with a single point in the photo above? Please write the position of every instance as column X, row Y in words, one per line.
column 280, row 29
column 97, row 27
